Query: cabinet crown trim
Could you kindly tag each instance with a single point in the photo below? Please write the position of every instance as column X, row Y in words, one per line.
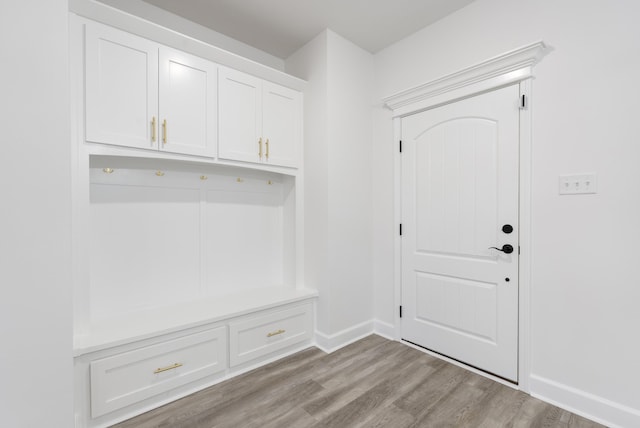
column 507, row 68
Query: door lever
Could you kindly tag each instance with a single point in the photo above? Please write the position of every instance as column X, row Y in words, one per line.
column 506, row 248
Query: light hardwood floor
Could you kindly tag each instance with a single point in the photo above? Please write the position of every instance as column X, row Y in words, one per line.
column 371, row 383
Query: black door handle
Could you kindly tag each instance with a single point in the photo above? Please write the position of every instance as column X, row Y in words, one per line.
column 506, row 248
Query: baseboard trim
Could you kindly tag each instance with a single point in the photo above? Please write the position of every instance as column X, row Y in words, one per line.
column 386, row 330
column 332, row 342
column 611, row 414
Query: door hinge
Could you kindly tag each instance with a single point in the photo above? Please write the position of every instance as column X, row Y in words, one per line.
column 400, row 229
column 523, row 102
column 400, row 311
column 400, row 146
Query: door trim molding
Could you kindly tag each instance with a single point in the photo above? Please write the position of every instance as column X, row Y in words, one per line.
column 513, row 67
column 502, row 70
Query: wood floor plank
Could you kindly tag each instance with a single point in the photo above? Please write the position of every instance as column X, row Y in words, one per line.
column 381, row 393
column 373, row 382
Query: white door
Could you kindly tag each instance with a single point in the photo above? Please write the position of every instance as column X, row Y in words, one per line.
column 459, row 198
column 240, row 116
column 188, row 103
column 121, row 88
column 281, row 124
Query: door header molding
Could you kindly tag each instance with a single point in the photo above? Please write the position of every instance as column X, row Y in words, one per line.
column 502, row 70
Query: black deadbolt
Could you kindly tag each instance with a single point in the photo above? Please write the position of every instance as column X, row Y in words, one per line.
column 507, row 228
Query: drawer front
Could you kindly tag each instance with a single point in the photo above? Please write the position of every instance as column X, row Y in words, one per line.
column 127, row 378
column 263, row 334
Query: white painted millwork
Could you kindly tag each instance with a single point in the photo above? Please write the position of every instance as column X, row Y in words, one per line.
column 261, row 335
column 502, row 70
column 149, row 359
column 129, row 377
column 188, row 105
column 171, row 245
column 240, row 118
column 281, row 124
column 121, row 78
column 160, row 240
column 144, row 95
column 259, row 121
column 460, row 186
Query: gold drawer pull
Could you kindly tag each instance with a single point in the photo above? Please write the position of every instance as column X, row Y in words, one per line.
column 275, row 333
column 266, row 156
column 260, row 148
column 164, row 369
column 153, row 129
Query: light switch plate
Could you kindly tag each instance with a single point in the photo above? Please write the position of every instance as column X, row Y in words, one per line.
column 577, row 184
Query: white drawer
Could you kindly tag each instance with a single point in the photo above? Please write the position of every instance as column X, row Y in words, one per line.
column 127, row 378
column 263, row 334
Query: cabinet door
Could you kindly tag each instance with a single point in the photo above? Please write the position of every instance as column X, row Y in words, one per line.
column 187, row 104
column 281, row 124
column 240, row 118
column 121, row 87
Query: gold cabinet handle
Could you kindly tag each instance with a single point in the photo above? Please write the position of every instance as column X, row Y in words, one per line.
column 153, row 129
column 164, row 369
column 275, row 333
column 260, row 148
column 266, row 156
column 164, row 132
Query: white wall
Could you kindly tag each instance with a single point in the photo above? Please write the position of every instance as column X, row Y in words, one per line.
column 35, row 258
column 584, row 285
column 338, row 194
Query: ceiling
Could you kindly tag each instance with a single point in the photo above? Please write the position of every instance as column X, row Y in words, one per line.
column 280, row 27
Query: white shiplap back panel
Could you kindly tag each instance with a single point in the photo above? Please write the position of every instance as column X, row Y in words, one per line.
column 166, row 236
column 144, row 247
column 244, row 241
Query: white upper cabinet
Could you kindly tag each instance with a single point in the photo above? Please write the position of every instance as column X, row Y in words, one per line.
column 259, row 121
column 121, row 88
column 281, row 124
column 239, row 115
column 187, row 103
column 144, row 95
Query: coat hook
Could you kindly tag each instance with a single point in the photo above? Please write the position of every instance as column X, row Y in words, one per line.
column 107, row 170
column 159, row 173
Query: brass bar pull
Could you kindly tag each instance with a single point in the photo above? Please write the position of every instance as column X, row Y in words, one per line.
column 266, row 156
column 153, row 129
column 164, row 132
column 275, row 333
column 260, row 148
column 164, row 369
